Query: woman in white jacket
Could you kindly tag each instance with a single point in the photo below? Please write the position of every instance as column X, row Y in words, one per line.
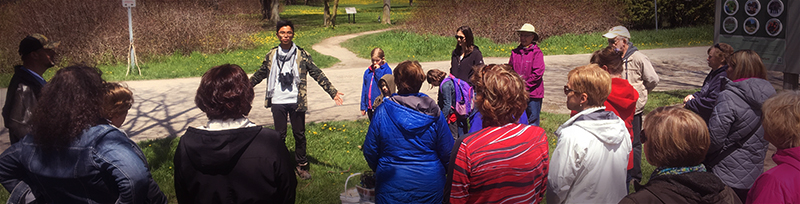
column 590, row 161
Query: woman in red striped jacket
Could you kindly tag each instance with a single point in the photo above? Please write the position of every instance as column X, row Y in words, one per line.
column 505, row 162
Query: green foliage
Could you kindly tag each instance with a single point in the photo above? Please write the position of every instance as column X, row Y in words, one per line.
column 404, row 45
column 671, row 13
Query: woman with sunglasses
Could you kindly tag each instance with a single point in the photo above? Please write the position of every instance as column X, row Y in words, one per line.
column 702, row 102
column 466, row 55
column 590, row 159
column 679, row 176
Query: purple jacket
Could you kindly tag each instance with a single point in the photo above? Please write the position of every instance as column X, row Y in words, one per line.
column 780, row 184
column 529, row 64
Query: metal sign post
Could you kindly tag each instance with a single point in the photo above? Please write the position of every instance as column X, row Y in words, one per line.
column 132, row 60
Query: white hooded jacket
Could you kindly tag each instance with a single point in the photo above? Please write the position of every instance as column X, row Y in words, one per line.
column 589, row 163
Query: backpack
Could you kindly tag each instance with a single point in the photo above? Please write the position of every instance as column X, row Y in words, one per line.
column 463, row 103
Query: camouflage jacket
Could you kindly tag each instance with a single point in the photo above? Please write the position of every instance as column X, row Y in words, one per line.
column 305, row 67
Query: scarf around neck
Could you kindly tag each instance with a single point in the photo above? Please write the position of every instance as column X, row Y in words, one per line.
column 282, row 60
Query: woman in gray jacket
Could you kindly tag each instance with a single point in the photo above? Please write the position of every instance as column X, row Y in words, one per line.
column 738, row 148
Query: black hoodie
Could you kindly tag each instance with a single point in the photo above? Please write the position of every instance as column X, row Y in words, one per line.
column 694, row 187
column 245, row 165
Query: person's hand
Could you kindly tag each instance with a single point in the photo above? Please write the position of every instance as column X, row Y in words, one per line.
column 363, row 112
column 688, row 98
column 338, row 99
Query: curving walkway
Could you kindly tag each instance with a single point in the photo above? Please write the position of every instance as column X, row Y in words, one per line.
column 165, row 108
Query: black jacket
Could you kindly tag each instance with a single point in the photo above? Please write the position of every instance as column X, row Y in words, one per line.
column 23, row 92
column 462, row 68
column 705, row 99
column 245, row 165
column 695, row 187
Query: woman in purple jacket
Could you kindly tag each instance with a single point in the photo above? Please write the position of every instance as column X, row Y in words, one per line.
column 528, row 62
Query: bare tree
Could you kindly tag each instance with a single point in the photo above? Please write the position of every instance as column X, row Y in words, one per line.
column 410, row 2
column 386, row 19
column 269, row 10
column 275, row 17
column 330, row 18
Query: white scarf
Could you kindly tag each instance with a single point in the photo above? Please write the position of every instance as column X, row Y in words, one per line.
column 227, row 124
column 282, row 58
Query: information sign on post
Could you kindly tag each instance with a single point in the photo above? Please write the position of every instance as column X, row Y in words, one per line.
column 768, row 27
column 128, row 3
column 350, row 11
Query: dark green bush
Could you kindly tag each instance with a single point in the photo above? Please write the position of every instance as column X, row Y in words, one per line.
column 671, row 13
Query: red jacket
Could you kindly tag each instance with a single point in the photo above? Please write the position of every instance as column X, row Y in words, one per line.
column 622, row 101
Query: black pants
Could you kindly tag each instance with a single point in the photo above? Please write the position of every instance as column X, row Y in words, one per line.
column 370, row 114
column 636, row 172
column 298, row 119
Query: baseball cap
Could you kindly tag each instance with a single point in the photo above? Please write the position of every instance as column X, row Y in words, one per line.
column 35, row 42
column 618, row 31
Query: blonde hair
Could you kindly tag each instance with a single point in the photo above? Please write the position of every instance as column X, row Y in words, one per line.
column 117, row 99
column 593, row 81
column 746, row 64
column 781, row 119
column 500, row 94
column 676, row 137
column 377, row 52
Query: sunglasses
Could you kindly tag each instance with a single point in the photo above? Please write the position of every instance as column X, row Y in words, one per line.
column 567, row 90
column 458, row 37
column 717, row 46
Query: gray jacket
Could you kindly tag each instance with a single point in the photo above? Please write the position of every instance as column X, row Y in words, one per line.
column 737, row 113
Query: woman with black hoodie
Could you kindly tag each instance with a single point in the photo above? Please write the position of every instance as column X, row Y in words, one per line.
column 230, row 159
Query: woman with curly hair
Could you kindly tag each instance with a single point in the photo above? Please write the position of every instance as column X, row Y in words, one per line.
column 505, row 162
column 73, row 155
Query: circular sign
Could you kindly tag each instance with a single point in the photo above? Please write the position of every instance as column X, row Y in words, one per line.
column 730, row 24
column 775, row 8
column 774, row 27
column 731, row 7
column 750, row 25
column 752, row 7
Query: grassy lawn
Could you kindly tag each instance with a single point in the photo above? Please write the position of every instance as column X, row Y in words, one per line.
column 309, row 31
column 333, row 152
column 403, row 45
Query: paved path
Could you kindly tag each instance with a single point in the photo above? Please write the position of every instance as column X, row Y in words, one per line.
column 165, row 108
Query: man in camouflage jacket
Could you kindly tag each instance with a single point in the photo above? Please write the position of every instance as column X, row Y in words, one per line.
column 291, row 79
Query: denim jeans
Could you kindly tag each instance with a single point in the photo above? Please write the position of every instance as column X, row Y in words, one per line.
column 534, row 107
column 280, row 112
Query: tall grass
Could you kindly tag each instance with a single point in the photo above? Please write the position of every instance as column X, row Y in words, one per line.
column 403, row 45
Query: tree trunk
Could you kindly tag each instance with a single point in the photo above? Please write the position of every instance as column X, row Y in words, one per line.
column 386, row 19
column 275, row 17
column 328, row 17
column 410, row 2
column 265, row 11
column 305, row 3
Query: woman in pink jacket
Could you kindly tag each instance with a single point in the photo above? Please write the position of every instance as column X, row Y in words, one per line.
column 528, row 61
column 781, row 184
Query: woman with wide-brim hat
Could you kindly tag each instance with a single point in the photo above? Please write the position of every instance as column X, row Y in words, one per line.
column 528, row 61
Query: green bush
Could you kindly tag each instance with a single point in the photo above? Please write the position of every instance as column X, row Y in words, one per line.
column 671, row 13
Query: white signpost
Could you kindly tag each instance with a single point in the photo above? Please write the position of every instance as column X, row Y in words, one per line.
column 132, row 60
column 350, row 11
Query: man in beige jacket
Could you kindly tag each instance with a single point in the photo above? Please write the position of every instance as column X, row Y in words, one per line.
column 640, row 73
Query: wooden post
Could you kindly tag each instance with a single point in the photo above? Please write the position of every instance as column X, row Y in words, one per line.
column 790, row 81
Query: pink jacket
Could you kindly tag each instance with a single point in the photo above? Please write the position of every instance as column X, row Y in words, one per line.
column 529, row 64
column 780, row 184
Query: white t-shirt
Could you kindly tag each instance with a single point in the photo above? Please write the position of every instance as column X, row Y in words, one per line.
column 285, row 94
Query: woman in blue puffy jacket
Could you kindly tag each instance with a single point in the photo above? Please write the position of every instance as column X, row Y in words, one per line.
column 408, row 143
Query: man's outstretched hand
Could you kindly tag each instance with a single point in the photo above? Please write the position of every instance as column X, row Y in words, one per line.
column 338, row 99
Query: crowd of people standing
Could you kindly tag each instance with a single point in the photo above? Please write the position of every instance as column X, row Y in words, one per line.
column 479, row 141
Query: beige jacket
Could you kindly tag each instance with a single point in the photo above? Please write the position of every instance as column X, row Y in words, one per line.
column 642, row 76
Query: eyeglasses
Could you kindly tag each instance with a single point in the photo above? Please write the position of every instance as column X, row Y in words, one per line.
column 567, row 90
column 458, row 37
column 286, row 33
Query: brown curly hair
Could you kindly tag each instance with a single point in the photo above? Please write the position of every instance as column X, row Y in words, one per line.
column 225, row 93
column 69, row 103
column 500, row 94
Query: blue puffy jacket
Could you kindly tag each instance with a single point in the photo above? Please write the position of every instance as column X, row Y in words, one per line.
column 408, row 146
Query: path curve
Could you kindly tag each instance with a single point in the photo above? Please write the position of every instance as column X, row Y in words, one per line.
column 165, row 108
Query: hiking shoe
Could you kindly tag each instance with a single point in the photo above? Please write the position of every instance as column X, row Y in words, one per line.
column 302, row 172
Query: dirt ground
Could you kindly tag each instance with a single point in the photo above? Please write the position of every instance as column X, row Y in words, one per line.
column 165, row 108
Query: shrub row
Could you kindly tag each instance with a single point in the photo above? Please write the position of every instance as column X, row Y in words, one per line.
column 96, row 32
